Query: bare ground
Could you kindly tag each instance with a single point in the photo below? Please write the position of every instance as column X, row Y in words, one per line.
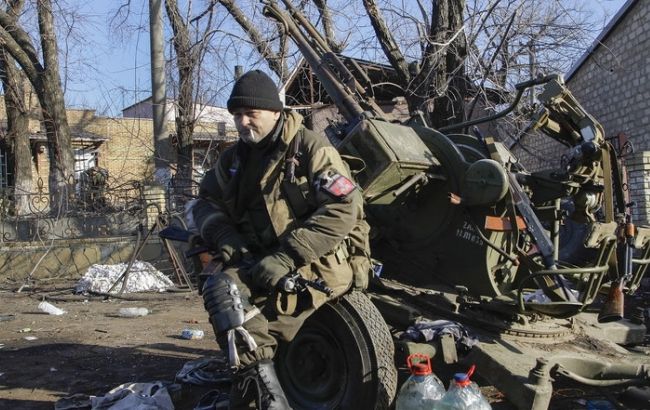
column 91, row 349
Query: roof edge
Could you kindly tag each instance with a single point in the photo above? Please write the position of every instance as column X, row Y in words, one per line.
column 613, row 23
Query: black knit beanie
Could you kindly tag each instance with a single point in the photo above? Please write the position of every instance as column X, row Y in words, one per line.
column 255, row 90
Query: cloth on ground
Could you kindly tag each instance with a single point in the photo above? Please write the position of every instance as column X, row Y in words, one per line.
column 425, row 330
column 135, row 396
column 77, row 401
column 213, row 400
column 205, row 371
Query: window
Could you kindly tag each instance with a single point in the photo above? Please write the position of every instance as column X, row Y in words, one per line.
column 5, row 171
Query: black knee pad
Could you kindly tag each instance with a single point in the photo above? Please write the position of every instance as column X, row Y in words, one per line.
column 224, row 303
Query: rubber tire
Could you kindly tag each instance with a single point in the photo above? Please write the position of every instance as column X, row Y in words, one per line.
column 342, row 358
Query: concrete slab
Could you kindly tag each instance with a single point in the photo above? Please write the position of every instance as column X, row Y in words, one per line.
column 622, row 332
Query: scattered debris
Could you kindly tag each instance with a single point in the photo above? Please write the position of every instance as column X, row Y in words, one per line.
column 599, row 405
column 205, row 371
column 191, row 334
column 50, row 309
column 74, row 402
column 25, row 330
column 135, row 395
column 30, row 338
column 425, row 330
column 142, row 277
column 133, row 312
column 6, row 318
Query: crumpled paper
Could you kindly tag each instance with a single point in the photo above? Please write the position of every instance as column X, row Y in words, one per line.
column 142, row 277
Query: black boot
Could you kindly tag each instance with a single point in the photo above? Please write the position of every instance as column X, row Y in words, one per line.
column 260, row 383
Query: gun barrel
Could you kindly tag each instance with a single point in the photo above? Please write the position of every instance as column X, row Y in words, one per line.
column 335, row 77
column 175, row 233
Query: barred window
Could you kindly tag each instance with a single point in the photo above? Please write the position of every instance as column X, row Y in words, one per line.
column 5, row 172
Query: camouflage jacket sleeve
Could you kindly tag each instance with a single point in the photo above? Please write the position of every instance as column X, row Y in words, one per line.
column 209, row 209
column 334, row 217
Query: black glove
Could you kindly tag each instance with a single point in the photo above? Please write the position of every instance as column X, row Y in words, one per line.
column 268, row 271
column 225, row 239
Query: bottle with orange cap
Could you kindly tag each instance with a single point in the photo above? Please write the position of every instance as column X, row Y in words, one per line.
column 422, row 388
column 463, row 394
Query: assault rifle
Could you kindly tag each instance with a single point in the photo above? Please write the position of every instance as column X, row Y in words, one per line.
column 614, row 306
column 174, row 233
column 294, row 283
column 291, row 283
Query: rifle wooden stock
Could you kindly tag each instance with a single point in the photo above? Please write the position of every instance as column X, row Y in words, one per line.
column 613, row 308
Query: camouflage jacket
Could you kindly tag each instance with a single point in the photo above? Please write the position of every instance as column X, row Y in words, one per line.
column 326, row 235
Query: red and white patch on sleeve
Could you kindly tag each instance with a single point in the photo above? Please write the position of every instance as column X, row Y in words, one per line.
column 338, row 186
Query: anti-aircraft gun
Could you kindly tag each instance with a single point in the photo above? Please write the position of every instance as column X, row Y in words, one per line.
column 465, row 232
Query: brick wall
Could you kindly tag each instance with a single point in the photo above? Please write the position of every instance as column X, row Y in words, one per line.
column 127, row 152
column 613, row 85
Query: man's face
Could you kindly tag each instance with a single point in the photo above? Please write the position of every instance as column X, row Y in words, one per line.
column 253, row 124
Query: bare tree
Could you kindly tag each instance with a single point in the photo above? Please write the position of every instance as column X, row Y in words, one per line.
column 263, row 44
column 44, row 77
column 446, row 53
column 438, row 79
column 13, row 83
column 186, row 61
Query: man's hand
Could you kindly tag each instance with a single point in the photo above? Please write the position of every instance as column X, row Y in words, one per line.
column 268, row 272
column 228, row 242
column 233, row 250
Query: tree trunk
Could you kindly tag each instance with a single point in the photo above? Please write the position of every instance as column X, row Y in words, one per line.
column 18, row 135
column 17, row 109
column 186, row 60
column 436, row 84
column 61, row 177
column 439, row 87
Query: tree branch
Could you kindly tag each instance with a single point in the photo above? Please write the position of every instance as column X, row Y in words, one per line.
column 387, row 42
column 328, row 27
column 17, row 42
column 262, row 45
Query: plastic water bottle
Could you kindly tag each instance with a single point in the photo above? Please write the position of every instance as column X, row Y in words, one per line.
column 422, row 388
column 463, row 394
column 50, row 309
column 133, row 312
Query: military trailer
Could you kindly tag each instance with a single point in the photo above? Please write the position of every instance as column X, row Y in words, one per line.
column 466, row 234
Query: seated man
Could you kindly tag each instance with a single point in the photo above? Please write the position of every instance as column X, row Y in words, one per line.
column 279, row 201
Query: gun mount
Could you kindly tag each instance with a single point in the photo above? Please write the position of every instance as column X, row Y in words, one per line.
column 464, row 231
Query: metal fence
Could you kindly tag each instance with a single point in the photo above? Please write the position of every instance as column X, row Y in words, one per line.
column 93, row 211
column 98, row 207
